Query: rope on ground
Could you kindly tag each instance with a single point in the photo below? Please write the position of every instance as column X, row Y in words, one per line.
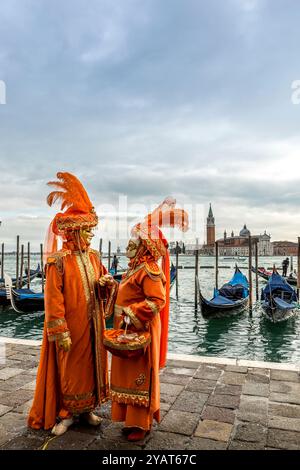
column 45, row 445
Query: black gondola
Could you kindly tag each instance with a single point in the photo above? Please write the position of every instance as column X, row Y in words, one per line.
column 262, row 272
column 231, row 298
column 33, row 274
column 279, row 299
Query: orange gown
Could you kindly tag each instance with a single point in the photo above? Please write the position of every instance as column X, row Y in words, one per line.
column 135, row 390
column 76, row 381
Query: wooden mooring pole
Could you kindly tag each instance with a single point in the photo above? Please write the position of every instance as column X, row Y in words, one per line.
column 250, row 272
column 42, row 265
column 100, row 247
column 28, row 265
column 298, row 268
column 196, row 275
column 217, row 264
column 256, row 270
column 22, row 265
column 2, row 260
column 176, row 281
column 17, row 261
column 109, row 254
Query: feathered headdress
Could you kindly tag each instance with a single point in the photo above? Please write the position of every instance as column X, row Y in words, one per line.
column 79, row 212
column 165, row 215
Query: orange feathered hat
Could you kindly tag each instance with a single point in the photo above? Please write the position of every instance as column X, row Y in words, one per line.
column 79, row 213
column 165, row 215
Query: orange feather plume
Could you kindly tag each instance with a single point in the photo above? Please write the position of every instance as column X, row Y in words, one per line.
column 71, row 193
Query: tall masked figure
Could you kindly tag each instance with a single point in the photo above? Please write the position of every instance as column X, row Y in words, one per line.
column 72, row 377
column 143, row 305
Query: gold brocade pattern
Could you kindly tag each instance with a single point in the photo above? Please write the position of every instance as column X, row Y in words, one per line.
column 152, row 306
column 81, row 396
column 54, row 323
column 129, row 397
column 140, row 380
column 58, row 336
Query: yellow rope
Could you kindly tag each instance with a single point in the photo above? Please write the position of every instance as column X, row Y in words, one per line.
column 45, row 445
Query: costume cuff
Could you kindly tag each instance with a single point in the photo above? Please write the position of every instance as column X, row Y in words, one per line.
column 57, row 329
column 134, row 319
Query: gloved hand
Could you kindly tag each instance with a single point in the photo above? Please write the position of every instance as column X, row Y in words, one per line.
column 107, row 279
column 127, row 320
column 65, row 344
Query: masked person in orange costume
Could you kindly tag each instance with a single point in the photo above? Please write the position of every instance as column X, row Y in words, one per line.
column 143, row 304
column 72, row 377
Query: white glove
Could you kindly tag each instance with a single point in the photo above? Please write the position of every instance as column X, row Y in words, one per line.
column 127, row 320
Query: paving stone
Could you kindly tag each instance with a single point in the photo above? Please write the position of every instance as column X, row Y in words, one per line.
column 24, row 408
column 208, row 372
column 198, row 443
column 283, row 439
column 5, row 437
column 71, row 440
column 239, row 369
column 284, row 409
column 256, row 388
column 200, row 385
column 224, row 389
column 285, row 375
column 243, row 445
column 233, row 378
column 180, row 422
column 175, row 379
column 167, row 398
column 13, row 422
column 105, row 444
column 251, row 432
column 165, row 406
column 190, row 401
column 284, row 387
column 279, row 422
column 259, row 371
column 179, row 371
column 215, row 430
column 29, row 386
column 113, row 432
column 5, row 409
column 183, row 364
column 9, row 372
column 224, row 401
column 15, row 383
column 214, row 413
column 258, row 378
column 293, row 398
column 17, row 398
column 167, row 440
column 32, row 371
column 255, row 405
column 23, row 443
column 170, row 389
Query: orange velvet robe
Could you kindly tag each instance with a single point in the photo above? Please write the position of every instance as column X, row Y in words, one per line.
column 76, row 381
column 135, row 382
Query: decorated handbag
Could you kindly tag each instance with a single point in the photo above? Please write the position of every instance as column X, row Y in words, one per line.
column 126, row 344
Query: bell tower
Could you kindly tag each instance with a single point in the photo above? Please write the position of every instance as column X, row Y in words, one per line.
column 210, row 228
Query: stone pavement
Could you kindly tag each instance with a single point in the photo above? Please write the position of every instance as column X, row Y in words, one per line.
column 206, row 404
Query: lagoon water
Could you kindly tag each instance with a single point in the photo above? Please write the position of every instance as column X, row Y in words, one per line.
column 246, row 336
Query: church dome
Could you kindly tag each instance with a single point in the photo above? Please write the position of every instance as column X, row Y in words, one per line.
column 244, row 232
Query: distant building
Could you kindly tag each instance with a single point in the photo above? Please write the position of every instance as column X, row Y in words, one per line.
column 209, row 248
column 239, row 245
column 285, row 248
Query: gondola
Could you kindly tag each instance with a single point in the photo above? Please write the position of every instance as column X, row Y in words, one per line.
column 262, row 272
column 33, row 274
column 231, row 298
column 279, row 299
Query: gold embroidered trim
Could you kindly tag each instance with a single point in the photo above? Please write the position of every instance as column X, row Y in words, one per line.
column 133, row 318
column 90, row 272
column 58, row 336
column 130, row 272
column 79, row 396
column 129, row 398
column 108, row 308
column 54, row 323
column 128, row 391
column 152, row 306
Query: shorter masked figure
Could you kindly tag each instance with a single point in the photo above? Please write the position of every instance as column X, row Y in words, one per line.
column 72, row 377
column 143, row 305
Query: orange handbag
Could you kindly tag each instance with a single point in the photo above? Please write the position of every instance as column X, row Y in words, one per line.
column 126, row 344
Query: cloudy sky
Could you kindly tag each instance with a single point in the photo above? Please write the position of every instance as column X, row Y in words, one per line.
column 149, row 98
